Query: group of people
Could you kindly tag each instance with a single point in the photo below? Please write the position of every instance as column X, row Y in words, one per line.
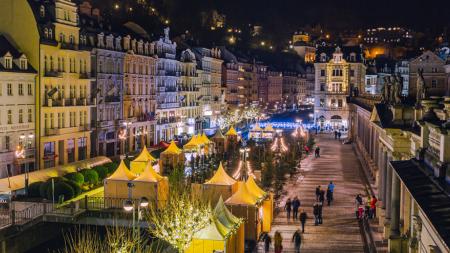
column 365, row 210
column 278, row 244
column 337, row 134
column 320, row 199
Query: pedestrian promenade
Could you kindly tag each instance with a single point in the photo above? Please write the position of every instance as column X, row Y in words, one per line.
column 340, row 230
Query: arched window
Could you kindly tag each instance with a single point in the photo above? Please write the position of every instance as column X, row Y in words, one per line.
column 42, row 11
column 50, row 33
column 46, row 32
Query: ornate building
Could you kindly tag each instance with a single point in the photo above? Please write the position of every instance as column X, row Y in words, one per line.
column 338, row 73
column 139, row 100
column 17, row 111
column 434, row 74
column 168, row 112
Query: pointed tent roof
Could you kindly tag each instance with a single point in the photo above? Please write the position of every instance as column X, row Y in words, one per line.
column 224, row 215
column 192, row 143
column 144, row 156
column 269, row 127
column 254, row 188
column 149, row 175
column 218, row 135
column 205, row 139
column 256, row 127
column 122, row 173
column 231, row 131
column 172, row 149
column 242, row 196
column 221, row 177
column 213, row 231
column 200, row 140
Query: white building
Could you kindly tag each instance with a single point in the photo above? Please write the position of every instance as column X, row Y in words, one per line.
column 339, row 72
column 17, row 111
column 168, row 112
column 402, row 67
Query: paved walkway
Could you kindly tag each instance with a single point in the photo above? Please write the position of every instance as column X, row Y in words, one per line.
column 340, row 230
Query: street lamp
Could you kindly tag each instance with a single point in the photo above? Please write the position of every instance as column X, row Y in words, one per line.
column 129, row 206
column 244, row 151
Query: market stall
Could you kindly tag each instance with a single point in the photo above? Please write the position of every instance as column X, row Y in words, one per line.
column 151, row 185
column 141, row 161
column 267, row 203
column 220, row 185
column 171, row 157
column 117, row 185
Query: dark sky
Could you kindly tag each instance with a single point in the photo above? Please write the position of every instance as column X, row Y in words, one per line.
column 417, row 14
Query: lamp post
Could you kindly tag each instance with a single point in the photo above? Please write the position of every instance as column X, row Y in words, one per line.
column 126, row 124
column 122, row 137
column 129, row 206
column 244, row 151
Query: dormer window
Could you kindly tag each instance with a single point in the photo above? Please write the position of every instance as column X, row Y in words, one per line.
column 50, row 33
column 323, row 57
column 352, row 57
column 42, row 11
column 8, row 62
column 23, row 64
column 46, row 32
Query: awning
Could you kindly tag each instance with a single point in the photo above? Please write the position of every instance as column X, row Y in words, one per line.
column 242, row 197
column 254, row 188
column 172, row 149
column 149, row 175
column 221, row 177
column 231, row 132
column 144, row 156
column 122, row 173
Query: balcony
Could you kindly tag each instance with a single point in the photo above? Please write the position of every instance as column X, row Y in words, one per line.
column 170, row 89
column 112, row 99
column 66, row 130
column 169, row 120
column 53, row 73
column 62, row 102
column 68, row 46
column 191, row 104
column 106, row 123
column 85, row 76
column 168, row 105
column 187, row 88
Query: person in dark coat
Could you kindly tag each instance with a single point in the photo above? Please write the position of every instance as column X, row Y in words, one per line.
column 317, row 192
column 303, row 217
column 321, row 196
column 288, row 207
column 316, row 213
column 267, row 242
column 329, row 196
column 297, row 240
column 295, row 207
column 320, row 213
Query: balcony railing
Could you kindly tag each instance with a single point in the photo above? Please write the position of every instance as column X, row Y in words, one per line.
column 169, row 120
column 62, row 102
column 168, row 105
column 112, row 99
column 53, row 73
column 66, row 130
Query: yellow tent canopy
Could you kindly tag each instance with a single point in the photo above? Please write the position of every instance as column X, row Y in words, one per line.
column 242, row 196
column 256, row 127
column 269, row 128
column 224, row 215
column 205, row 139
column 254, row 188
column 193, row 143
column 149, row 175
column 144, row 156
column 122, row 173
column 221, row 177
column 172, row 149
column 231, row 132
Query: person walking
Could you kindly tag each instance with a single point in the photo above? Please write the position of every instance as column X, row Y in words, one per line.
column 317, row 152
column 267, row 242
column 329, row 196
column 297, row 240
column 317, row 192
column 316, row 213
column 295, row 207
column 278, row 242
column 331, row 186
column 288, row 207
column 321, row 196
column 373, row 207
column 339, row 135
column 320, row 213
column 335, row 134
column 303, row 217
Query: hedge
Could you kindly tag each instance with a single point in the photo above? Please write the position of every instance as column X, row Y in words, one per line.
column 43, row 188
column 111, row 167
column 33, row 189
column 76, row 187
column 76, row 177
column 102, row 172
column 61, row 189
column 90, row 176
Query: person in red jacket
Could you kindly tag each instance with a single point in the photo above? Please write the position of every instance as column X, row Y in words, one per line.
column 373, row 207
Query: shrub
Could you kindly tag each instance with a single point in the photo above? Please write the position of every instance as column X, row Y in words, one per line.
column 61, row 189
column 75, row 177
column 111, row 167
column 76, row 187
column 90, row 176
column 44, row 187
column 33, row 189
column 102, row 172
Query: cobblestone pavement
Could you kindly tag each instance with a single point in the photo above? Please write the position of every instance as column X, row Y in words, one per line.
column 340, row 230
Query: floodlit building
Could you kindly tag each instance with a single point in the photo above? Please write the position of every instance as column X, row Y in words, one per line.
column 339, row 72
column 17, row 111
column 433, row 71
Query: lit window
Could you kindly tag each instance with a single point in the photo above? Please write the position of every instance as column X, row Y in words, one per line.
column 8, row 62
column 20, row 115
column 9, row 117
column 30, row 90
column 42, row 11
column 30, row 115
column 9, row 89
column 20, row 89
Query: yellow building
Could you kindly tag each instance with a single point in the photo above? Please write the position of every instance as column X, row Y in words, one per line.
column 48, row 33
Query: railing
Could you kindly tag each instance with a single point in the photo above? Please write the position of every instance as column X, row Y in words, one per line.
column 369, row 243
column 53, row 74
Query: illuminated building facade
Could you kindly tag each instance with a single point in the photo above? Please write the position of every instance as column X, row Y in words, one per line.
column 139, row 100
column 433, row 71
column 338, row 73
column 17, row 110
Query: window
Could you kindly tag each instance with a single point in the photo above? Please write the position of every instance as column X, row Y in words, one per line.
column 8, row 62
column 20, row 115
column 9, row 117
column 322, row 87
column 51, row 121
column 433, row 83
column 340, row 103
column 50, row 33
column 46, row 32
column 434, row 70
column 322, row 72
column 7, row 142
column 20, row 89
column 9, row 89
column 30, row 90
column 322, row 102
column 42, row 11
column 352, row 72
column 333, row 102
column 1, row 89
column 30, row 115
